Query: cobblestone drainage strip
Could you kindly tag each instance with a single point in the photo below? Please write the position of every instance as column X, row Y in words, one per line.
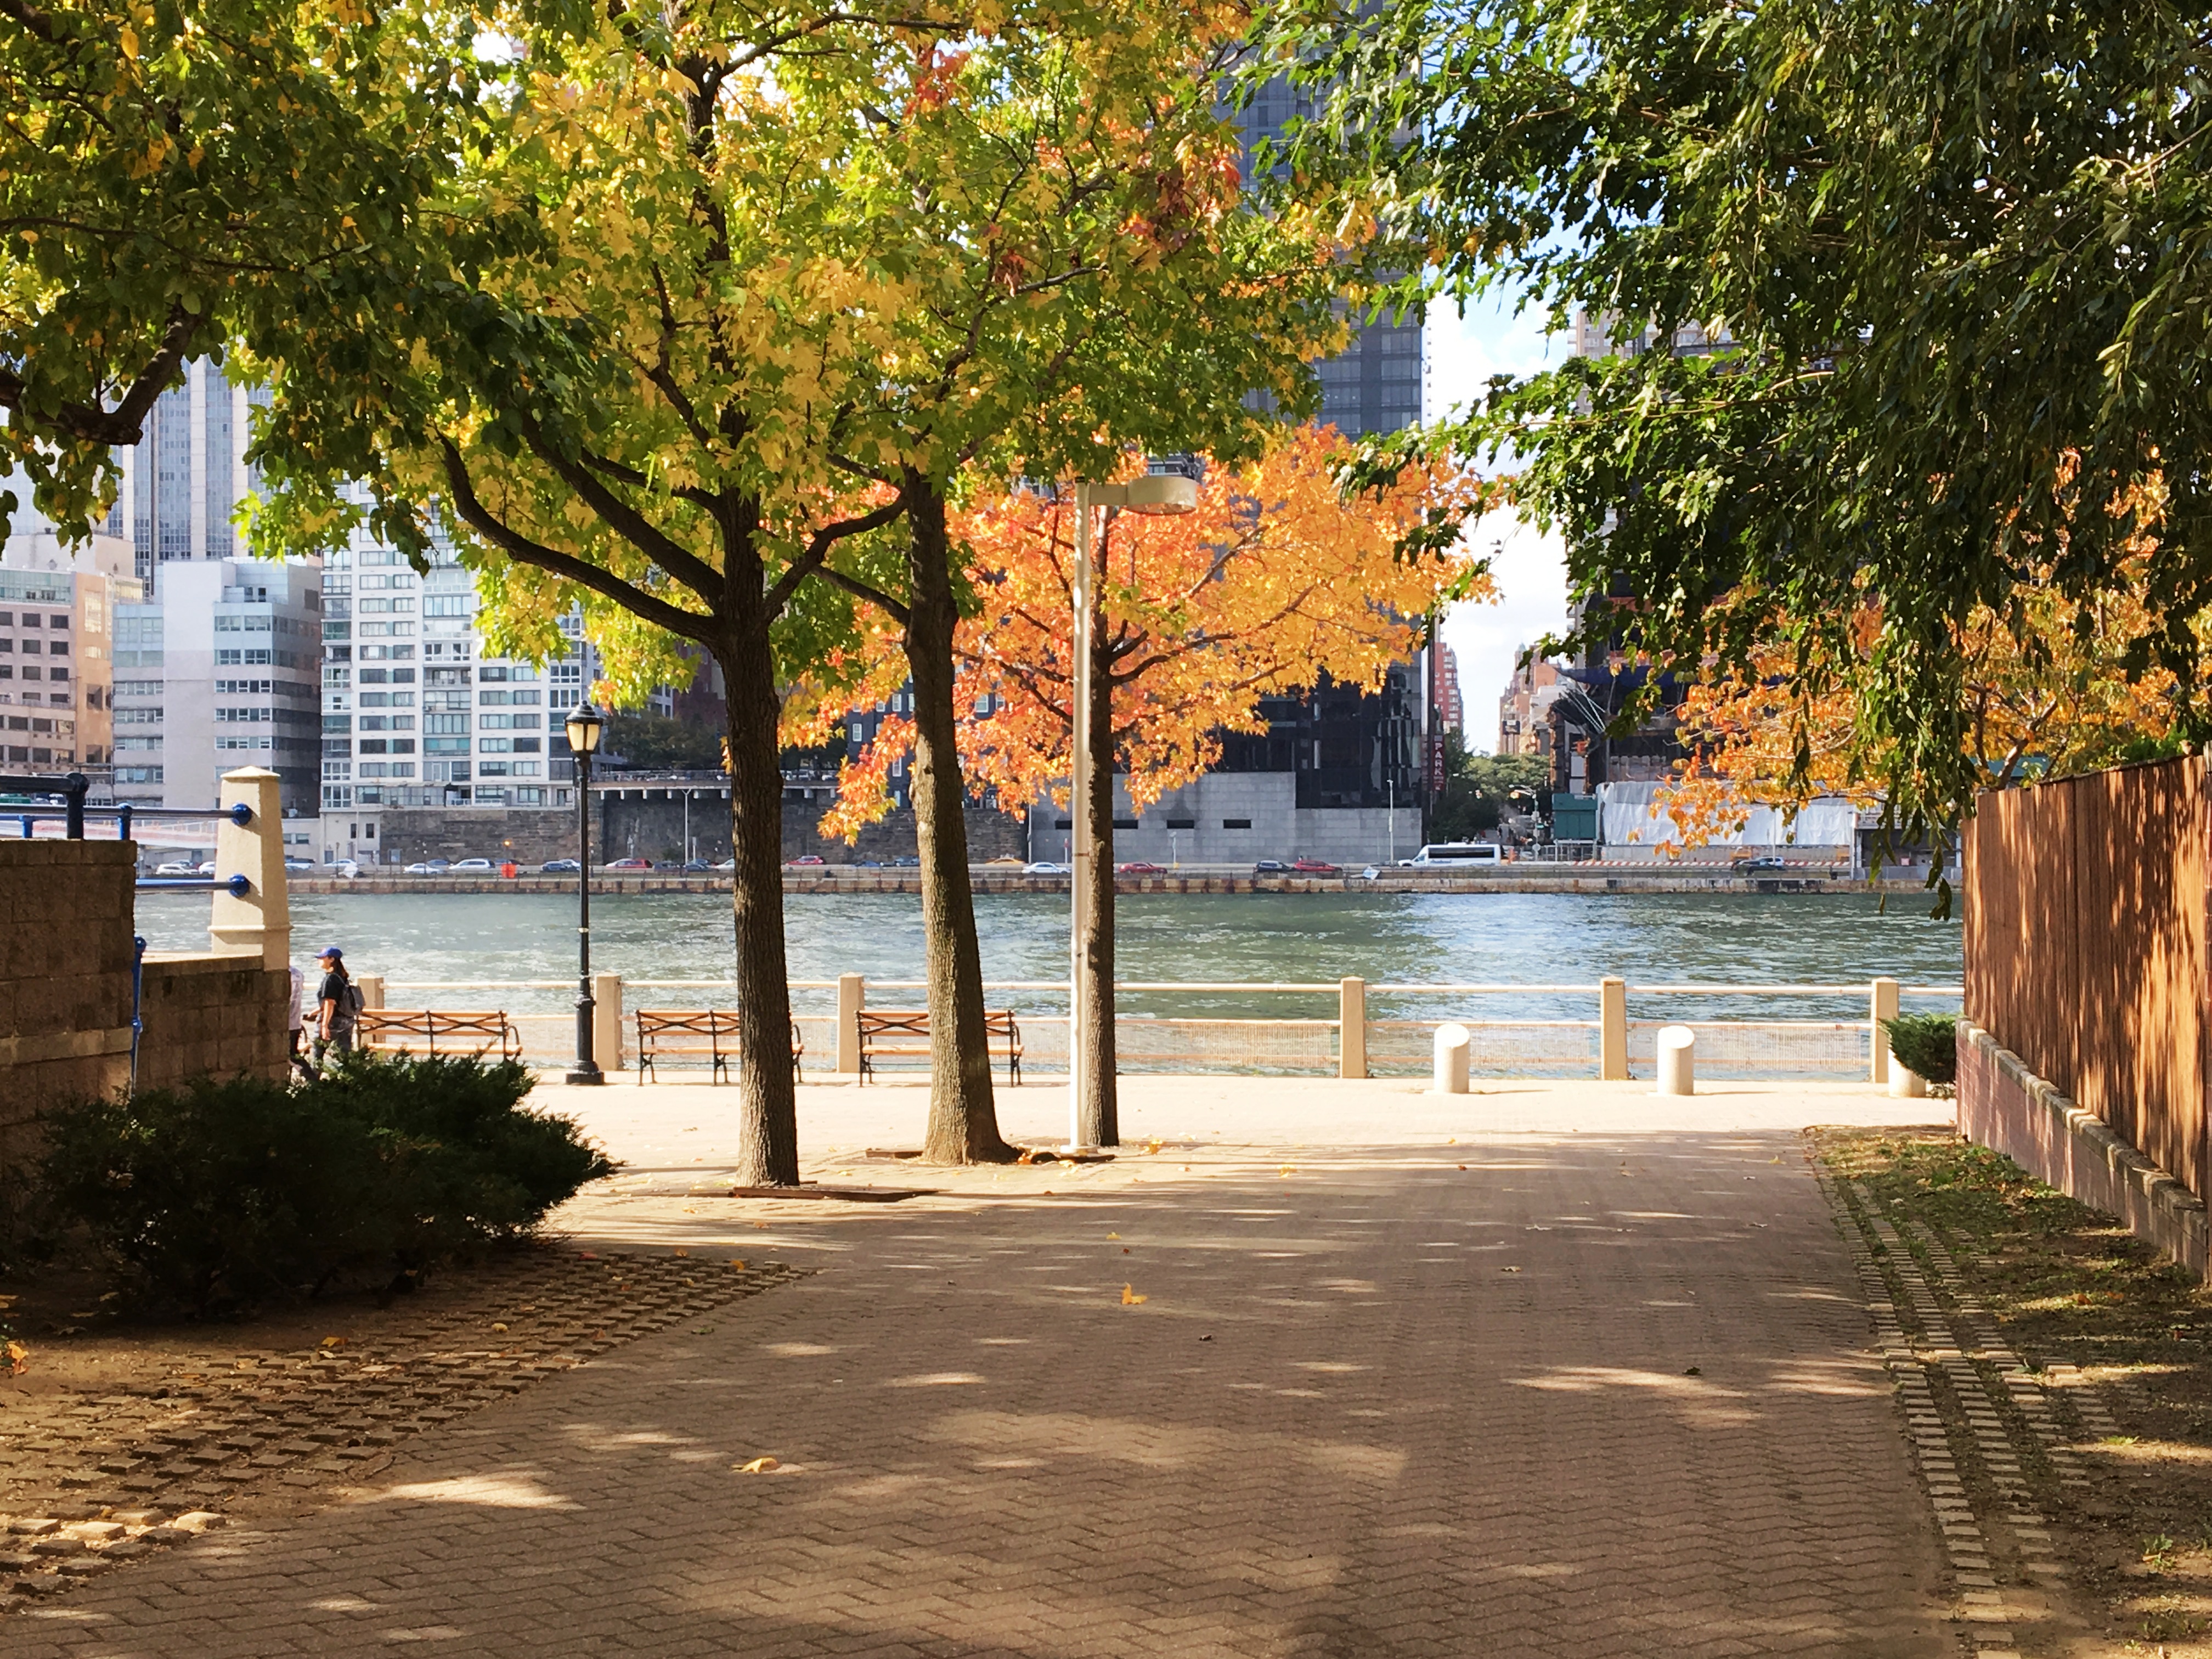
column 123, row 1475
column 1990, row 1447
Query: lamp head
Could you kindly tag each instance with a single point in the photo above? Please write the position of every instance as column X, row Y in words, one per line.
column 1161, row 494
column 584, row 723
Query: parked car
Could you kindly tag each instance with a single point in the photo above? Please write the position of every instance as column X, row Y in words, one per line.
column 869, row 863
column 1271, row 867
column 177, row 867
column 804, row 857
column 697, row 867
column 345, row 869
column 727, row 867
column 473, row 863
column 1769, row 862
column 630, row 864
column 1008, row 860
column 1314, row 868
column 205, row 867
column 428, row 867
column 300, row 867
column 1139, row 867
column 559, row 867
column 906, row 864
column 1046, row 870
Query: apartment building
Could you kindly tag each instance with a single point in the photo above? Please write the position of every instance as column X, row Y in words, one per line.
column 58, row 608
column 216, row 671
column 419, row 713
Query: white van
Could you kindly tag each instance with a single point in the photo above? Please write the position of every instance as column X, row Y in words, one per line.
column 1459, row 851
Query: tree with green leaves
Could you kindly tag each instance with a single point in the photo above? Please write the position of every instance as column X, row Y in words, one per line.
column 1905, row 303
column 706, row 325
column 174, row 178
column 1085, row 283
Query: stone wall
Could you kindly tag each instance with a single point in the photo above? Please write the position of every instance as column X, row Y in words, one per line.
column 65, row 919
column 2004, row 1105
column 650, row 824
column 212, row 1015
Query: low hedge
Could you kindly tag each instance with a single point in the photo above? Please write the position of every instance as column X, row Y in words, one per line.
column 224, row 1193
column 1926, row 1043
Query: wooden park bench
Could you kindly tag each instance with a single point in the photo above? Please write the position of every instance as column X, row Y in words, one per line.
column 438, row 1030
column 903, row 1034
column 711, row 1032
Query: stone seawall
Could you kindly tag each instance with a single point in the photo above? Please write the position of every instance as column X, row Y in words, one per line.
column 65, row 913
column 830, row 879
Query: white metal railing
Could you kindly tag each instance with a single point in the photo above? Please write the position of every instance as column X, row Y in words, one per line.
column 1358, row 1042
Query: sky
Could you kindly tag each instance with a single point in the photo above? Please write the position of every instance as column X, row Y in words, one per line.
column 1529, row 568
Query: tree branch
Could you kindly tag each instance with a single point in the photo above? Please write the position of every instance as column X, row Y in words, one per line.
column 124, row 424
column 521, row 547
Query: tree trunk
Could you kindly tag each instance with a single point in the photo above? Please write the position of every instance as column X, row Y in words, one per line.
column 768, row 1101
column 1096, row 916
column 963, row 1118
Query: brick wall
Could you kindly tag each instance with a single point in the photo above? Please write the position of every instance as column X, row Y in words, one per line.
column 65, row 919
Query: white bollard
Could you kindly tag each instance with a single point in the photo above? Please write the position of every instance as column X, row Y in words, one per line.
column 1677, row 1068
column 1451, row 1059
column 1905, row 1084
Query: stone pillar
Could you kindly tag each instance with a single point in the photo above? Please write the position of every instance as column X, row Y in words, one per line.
column 607, row 1021
column 1885, row 1007
column 851, row 996
column 1352, row 1027
column 260, row 924
column 1612, row 1030
column 371, row 987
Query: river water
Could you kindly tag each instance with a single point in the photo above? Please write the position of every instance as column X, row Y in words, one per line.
column 479, row 940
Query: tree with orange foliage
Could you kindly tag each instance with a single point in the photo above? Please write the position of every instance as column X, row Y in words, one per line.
column 1278, row 580
column 2056, row 687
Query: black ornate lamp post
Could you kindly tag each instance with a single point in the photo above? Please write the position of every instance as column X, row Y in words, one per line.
column 584, row 724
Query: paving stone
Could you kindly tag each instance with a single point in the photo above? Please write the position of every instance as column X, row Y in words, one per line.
column 1388, row 1450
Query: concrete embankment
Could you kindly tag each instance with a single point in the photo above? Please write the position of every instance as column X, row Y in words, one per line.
column 1565, row 878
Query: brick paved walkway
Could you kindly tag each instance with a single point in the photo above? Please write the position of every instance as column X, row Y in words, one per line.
column 1596, row 1393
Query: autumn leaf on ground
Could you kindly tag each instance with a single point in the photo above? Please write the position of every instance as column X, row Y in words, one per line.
column 1113, row 1236
column 334, row 1342
column 758, row 1466
column 1290, row 1169
column 737, row 1264
column 19, row 1359
column 1154, row 1145
column 1129, row 1296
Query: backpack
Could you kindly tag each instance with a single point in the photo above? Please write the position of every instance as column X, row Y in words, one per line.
column 350, row 1003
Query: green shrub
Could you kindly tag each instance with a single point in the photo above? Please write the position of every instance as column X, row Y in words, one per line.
column 222, row 1192
column 1926, row 1043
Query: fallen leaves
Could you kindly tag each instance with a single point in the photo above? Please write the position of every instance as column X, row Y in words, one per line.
column 1289, row 1169
column 1130, row 1298
column 499, row 1328
column 19, row 1359
column 758, row 1466
column 738, row 1265
column 1154, row 1145
column 334, row 1342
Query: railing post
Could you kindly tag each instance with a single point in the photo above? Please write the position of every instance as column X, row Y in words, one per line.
column 371, row 987
column 259, row 924
column 607, row 1022
column 1612, row 1030
column 852, row 994
column 1352, row 1027
column 1885, row 1007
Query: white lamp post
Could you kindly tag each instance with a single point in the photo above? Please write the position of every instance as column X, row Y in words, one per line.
column 1160, row 493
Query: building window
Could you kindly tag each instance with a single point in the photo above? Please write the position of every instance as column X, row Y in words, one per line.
column 1183, row 823
column 1236, row 823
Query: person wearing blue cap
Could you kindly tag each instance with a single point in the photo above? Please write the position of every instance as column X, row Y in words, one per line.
column 338, row 1003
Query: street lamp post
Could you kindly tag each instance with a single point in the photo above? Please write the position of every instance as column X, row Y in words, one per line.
column 1156, row 494
column 584, row 724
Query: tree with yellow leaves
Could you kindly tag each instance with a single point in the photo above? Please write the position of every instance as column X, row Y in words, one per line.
column 1277, row 582
column 721, row 298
